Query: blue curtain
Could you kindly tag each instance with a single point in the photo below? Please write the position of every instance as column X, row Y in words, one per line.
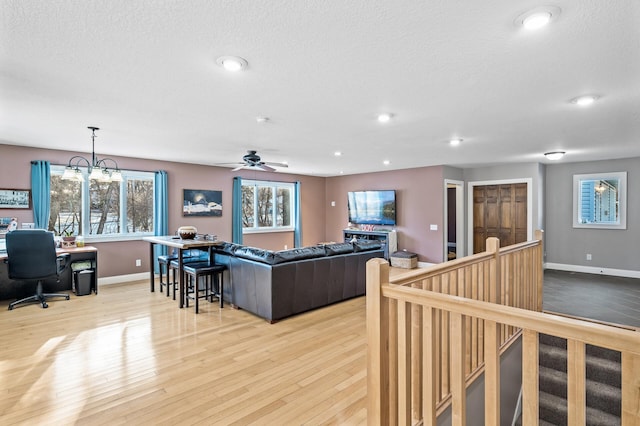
column 297, row 233
column 236, row 211
column 41, row 193
column 161, row 211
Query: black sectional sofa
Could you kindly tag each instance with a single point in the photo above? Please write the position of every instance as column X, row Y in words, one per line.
column 277, row 284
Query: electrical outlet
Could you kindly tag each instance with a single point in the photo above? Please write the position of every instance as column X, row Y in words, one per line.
column 138, row 262
column 286, row 246
column 588, row 256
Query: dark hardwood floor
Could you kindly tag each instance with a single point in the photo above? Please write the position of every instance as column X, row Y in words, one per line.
column 598, row 297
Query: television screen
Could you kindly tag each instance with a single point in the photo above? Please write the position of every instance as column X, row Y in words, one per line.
column 372, row 207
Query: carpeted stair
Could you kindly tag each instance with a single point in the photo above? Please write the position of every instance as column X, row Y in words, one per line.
column 603, row 384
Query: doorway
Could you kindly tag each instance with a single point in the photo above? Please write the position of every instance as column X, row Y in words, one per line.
column 453, row 219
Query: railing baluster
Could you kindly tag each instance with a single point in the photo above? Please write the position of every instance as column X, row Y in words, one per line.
column 576, row 382
column 429, row 366
column 404, row 363
column 630, row 388
column 530, row 377
column 458, row 376
column 491, row 374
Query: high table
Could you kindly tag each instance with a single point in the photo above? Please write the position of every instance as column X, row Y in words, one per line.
column 182, row 245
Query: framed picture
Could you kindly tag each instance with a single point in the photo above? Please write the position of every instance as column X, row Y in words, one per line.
column 199, row 202
column 15, row 199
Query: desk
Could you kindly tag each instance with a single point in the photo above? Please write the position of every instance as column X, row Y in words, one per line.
column 9, row 289
column 181, row 245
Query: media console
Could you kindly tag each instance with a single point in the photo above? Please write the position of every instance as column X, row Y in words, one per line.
column 389, row 239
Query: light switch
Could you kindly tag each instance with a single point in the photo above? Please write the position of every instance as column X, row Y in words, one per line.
column 433, row 227
column 333, row 204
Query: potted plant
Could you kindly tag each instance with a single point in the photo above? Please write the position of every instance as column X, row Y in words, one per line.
column 68, row 236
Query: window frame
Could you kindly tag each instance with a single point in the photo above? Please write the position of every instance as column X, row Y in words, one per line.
column 85, row 205
column 274, row 187
column 621, row 177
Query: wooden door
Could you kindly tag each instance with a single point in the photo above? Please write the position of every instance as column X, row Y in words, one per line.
column 499, row 211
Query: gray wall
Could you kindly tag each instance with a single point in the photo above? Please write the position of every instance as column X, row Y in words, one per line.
column 610, row 248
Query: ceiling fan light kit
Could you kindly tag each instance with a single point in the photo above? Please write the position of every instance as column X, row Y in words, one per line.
column 252, row 161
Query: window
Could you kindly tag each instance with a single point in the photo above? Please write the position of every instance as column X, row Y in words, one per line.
column 267, row 206
column 102, row 210
column 599, row 200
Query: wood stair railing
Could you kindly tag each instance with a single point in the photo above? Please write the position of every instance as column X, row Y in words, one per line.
column 431, row 332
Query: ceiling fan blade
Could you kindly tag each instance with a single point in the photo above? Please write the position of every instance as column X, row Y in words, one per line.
column 239, row 168
column 265, row 168
column 276, row 164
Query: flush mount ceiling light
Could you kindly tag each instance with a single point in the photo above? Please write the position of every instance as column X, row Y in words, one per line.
column 538, row 17
column 384, row 117
column 584, row 100
column 261, row 119
column 337, row 153
column 386, row 162
column 554, row 155
column 232, row 63
column 455, row 142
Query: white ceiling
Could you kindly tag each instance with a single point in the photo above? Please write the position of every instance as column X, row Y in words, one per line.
column 144, row 71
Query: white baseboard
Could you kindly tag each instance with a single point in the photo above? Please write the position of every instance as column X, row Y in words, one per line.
column 119, row 279
column 593, row 270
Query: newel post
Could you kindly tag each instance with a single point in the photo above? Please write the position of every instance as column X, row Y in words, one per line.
column 378, row 410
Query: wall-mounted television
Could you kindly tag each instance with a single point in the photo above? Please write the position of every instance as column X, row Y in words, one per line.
column 372, row 207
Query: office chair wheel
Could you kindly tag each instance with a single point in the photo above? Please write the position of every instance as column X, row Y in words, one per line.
column 44, row 305
column 10, row 307
column 67, row 298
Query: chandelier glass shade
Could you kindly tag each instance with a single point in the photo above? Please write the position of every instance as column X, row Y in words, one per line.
column 97, row 168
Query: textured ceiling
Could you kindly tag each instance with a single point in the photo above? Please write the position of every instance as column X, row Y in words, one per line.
column 144, row 71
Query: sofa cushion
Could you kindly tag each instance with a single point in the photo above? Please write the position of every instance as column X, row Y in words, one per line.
column 366, row 245
column 254, row 253
column 302, row 253
column 273, row 258
column 338, row 248
column 226, row 248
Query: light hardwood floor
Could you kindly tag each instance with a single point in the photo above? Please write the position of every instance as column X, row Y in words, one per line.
column 128, row 356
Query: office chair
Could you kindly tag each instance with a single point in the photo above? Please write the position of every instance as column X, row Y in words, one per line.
column 31, row 256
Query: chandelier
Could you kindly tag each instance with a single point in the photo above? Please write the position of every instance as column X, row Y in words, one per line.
column 97, row 169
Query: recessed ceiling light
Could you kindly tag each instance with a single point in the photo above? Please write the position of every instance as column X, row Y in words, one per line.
column 337, row 153
column 384, row 117
column 554, row 155
column 585, row 100
column 455, row 142
column 262, row 119
column 536, row 20
column 386, row 162
column 538, row 17
column 232, row 63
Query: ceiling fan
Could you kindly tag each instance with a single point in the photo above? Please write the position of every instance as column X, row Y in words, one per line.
column 252, row 161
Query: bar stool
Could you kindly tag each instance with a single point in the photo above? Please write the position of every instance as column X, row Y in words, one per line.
column 213, row 273
column 171, row 262
column 163, row 263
